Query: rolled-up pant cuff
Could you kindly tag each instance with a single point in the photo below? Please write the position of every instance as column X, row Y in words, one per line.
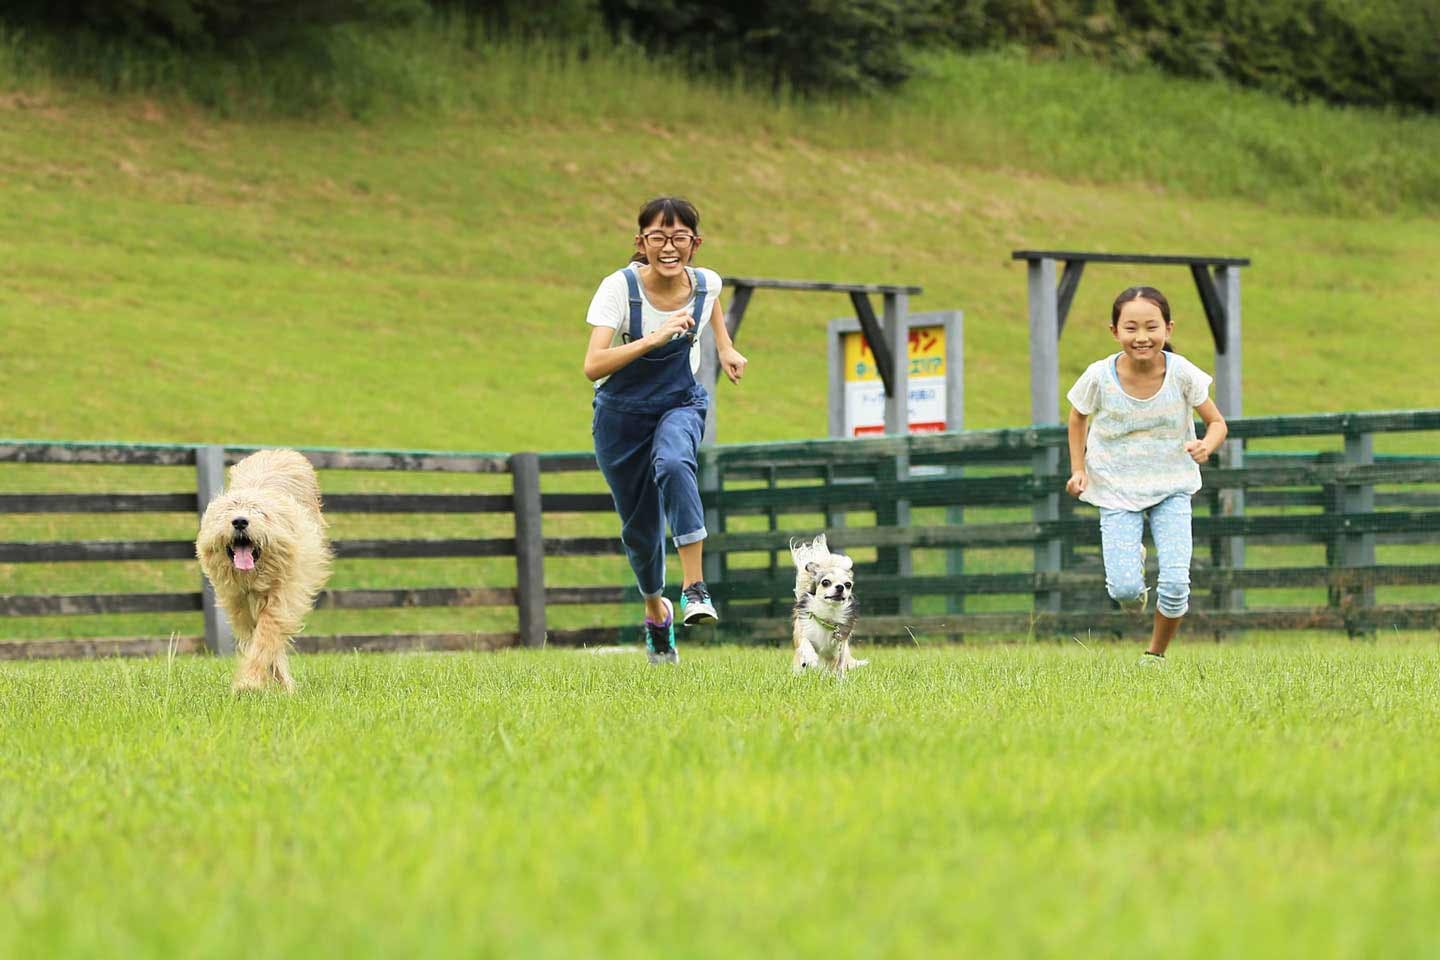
column 688, row 538
column 1173, row 611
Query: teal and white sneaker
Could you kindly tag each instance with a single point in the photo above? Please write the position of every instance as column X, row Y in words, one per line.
column 1151, row 661
column 695, row 605
column 660, row 637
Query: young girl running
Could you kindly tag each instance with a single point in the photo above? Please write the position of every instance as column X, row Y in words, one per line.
column 643, row 354
column 1134, row 454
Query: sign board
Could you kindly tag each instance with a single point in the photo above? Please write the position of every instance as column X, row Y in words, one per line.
column 935, row 368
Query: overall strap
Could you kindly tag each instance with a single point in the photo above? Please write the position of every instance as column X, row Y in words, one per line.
column 698, row 278
column 637, row 325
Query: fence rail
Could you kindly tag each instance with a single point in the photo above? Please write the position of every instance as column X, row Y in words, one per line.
column 758, row 496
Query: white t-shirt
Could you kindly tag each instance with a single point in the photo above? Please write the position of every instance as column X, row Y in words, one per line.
column 1135, row 449
column 610, row 307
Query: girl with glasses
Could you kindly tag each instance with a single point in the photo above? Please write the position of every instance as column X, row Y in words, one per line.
column 649, row 410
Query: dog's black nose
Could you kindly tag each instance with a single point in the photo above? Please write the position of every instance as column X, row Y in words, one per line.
column 240, row 523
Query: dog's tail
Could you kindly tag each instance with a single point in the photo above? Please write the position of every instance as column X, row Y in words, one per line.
column 805, row 553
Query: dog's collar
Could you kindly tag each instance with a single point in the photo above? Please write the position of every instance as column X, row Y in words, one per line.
column 824, row 623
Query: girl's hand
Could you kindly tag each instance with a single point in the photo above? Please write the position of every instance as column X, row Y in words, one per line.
column 676, row 326
column 1076, row 484
column 1197, row 450
column 733, row 363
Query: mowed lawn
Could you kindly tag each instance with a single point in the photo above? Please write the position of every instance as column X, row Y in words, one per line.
column 1255, row 799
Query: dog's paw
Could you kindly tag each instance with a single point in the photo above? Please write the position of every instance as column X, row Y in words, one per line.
column 247, row 684
column 253, row 678
column 806, row 659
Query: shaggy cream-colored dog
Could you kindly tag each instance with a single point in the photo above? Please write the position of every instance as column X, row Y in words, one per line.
column 263, row 545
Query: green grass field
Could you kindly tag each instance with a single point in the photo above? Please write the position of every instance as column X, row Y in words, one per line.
column 398, row 253
column 1265, row 800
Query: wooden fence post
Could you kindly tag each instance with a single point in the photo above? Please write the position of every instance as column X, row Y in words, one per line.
column 1334, row 496
column 955, row 556
column 1045, row 409
column 209, row 483
column 1045, row 462
column 903, row 562
column 1044, row 342
column 529, row 548
column 1358, row 549
column 714, row 565
column 713, row 569
column 1231, row 503
column 1228, row 399
column 897, row 337
column 1220, row 597
column 893, row 561
column 955, row 422
column 775, row 605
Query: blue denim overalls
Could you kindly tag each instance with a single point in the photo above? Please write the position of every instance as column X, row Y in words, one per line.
column 649, row 419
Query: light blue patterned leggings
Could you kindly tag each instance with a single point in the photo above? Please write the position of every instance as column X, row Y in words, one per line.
column 1120, row 532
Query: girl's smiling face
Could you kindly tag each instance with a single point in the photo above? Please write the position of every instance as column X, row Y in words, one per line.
column 1141, row 330
column 667, row 247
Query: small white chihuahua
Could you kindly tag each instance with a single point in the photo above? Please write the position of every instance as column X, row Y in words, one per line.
column 825, row 612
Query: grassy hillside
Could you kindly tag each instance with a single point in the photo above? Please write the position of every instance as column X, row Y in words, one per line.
column 419, row 279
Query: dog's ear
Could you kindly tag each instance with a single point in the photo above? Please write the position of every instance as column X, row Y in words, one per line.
column 813, row 569
column 846, row 562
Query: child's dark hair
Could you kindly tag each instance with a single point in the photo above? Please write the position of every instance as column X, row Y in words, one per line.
column 668, row 209
column 1149, row 294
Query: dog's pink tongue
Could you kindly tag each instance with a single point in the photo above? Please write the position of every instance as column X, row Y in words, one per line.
column 244, row 558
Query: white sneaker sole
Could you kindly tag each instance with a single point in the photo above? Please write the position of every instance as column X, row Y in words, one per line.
column 700, row 613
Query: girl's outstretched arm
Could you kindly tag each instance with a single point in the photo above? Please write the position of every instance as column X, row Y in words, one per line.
column 732, row 361
column 1215, row 433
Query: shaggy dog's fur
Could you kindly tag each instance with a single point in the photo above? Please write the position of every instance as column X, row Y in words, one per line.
column 825, row 612
column 264, row 547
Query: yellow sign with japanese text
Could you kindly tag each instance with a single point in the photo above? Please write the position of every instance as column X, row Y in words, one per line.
column 865, row 393
column 926, row 355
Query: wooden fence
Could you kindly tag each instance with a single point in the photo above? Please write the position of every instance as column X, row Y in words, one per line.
column 1266, row 504
column 946, row 528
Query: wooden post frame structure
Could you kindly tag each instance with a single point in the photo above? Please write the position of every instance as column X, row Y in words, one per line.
column 885, row 342
column 1217, row 280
